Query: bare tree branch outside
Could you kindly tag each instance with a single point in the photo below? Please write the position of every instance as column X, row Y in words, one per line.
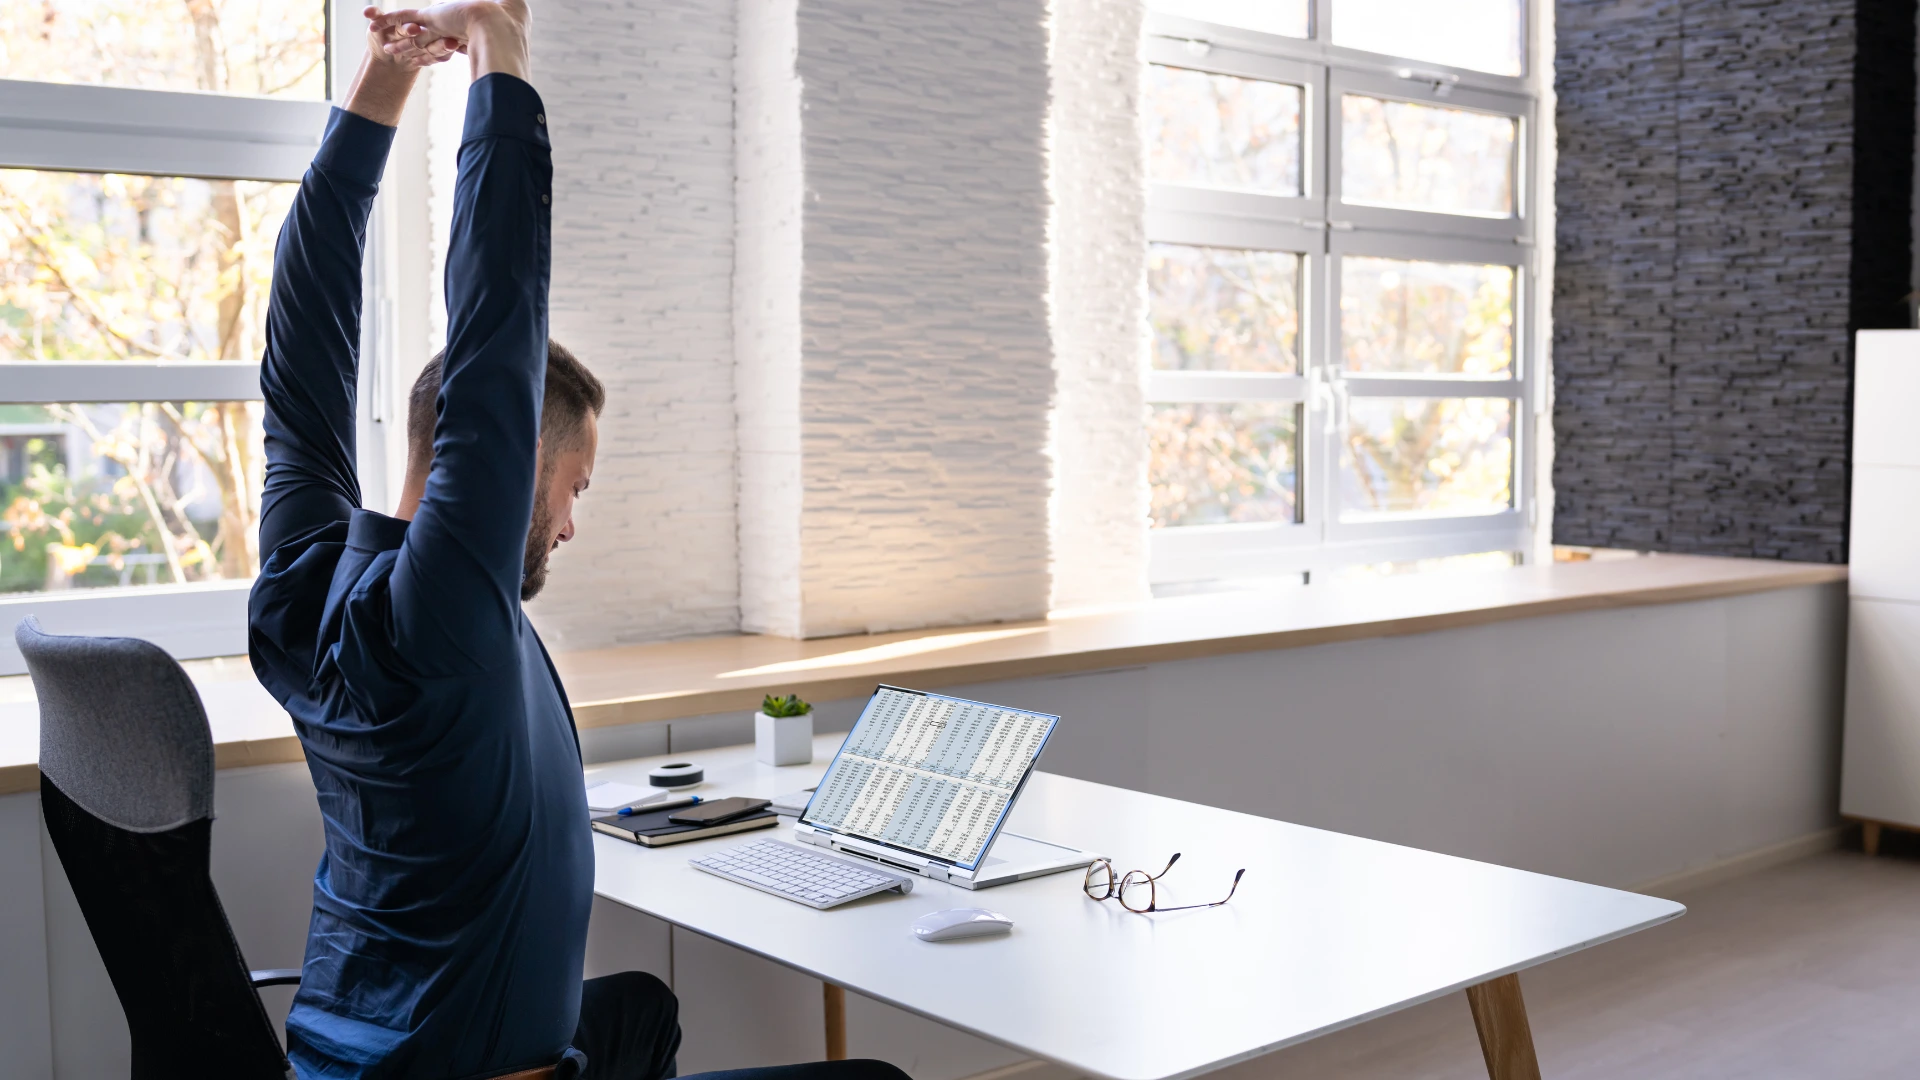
column 100, row 268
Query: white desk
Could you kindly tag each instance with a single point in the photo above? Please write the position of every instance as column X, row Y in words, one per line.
column 1326, row 931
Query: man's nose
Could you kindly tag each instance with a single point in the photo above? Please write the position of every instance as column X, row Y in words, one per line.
column 566, row 531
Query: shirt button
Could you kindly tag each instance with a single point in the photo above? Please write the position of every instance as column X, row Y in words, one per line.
column 539, row 118
column 546, row 200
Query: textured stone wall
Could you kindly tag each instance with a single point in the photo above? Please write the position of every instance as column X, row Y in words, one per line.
column 1097, row 302
column 927, row 371
column 640, row 104
column 768, row 188
column 923, row 376
column 1710, row 255
column 804, row 242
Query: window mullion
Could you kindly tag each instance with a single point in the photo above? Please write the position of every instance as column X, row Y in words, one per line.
column 1222, row 386
column 156, row 132
column 1320, row 420
column 64, row 382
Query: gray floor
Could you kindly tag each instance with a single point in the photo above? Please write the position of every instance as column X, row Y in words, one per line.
column 1811, row 969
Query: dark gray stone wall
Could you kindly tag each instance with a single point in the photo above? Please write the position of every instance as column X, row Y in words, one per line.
column 1713, row 255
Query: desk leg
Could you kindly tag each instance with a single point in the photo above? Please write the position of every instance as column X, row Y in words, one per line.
column 836, row 1002
column 1501, row 1018
column 1870, row 837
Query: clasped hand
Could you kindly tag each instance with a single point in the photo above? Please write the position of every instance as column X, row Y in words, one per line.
column 421, row 37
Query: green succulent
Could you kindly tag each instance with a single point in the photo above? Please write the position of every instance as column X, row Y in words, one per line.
column 791, row 705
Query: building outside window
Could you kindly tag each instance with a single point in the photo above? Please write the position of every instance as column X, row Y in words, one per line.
column 1341, row 283
column 148, row 155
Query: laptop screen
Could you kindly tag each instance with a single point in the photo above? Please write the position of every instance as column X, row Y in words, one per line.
column 929, row 774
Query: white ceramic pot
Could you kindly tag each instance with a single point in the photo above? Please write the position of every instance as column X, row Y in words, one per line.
column 782, row 740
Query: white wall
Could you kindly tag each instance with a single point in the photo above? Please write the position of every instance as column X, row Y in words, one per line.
column 827, row 343
column 1611, row 746
column 768, row 193
column 1546, row 162
column 1616, row 747
column 26, row 1018
column 928, row 370
column 640, row 104
column 1096, row 299
column 916, row 395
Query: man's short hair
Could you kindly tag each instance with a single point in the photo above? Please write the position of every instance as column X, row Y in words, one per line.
column 572, row 394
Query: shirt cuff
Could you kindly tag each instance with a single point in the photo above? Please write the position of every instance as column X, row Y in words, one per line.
column 354, row 147
column 500, row 105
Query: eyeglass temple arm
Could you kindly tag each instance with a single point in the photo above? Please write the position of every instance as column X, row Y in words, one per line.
column 1237, row 875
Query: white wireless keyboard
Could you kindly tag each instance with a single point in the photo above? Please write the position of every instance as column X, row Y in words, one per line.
column 800, row 875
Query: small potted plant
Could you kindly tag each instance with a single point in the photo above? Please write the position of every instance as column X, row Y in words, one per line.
column 783, row 731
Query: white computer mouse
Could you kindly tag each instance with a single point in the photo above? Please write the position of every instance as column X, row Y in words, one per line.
column 955, row 924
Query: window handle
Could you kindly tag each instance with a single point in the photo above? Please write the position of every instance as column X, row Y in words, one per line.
column 1326, row 392
column 1440, row 82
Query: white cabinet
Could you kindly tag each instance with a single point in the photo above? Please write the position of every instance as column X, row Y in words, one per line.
column 1883, row 534
column 1880, row 774
column 1880, row 778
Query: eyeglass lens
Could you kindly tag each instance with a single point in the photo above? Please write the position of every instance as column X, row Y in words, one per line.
column 1137, row 891
column 1099, row 884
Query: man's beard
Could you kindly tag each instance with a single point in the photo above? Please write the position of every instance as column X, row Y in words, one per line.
column 533, row 569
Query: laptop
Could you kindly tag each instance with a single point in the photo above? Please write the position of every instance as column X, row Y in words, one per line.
column 924, row 783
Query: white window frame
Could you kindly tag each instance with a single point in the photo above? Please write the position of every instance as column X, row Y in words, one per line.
column 69, row 128
column 1323, row 230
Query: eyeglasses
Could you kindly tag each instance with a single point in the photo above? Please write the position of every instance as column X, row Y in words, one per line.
column 1137, row 890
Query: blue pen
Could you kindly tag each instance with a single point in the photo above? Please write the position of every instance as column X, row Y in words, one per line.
column 670, row 804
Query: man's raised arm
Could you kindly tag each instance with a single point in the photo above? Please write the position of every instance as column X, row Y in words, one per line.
column 456, row 583
column 310, row 367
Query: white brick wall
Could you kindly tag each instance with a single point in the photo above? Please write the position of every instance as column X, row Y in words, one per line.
column 1097, row 298
column 925, row 369
column 766, row 316
column 640, row 104
column 804, row 242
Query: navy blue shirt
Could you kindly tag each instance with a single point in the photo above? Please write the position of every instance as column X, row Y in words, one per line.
column 450, row 907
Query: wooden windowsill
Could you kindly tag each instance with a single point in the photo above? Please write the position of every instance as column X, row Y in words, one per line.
column 679, row 679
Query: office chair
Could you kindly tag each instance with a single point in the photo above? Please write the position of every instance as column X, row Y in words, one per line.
column 126, row 788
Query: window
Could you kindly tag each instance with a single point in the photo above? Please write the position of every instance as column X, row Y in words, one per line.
column 148, row 155
column 1285, row 17
column 1340, row 273
column 1480, row 35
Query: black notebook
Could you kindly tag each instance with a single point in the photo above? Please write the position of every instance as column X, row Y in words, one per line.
column 652, row 829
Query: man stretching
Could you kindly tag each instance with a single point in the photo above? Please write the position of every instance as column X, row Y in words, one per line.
column 450, row 907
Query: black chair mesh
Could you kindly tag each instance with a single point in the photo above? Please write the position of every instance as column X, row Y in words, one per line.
column 150, row 902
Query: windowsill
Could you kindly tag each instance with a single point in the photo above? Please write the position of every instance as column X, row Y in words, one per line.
column 678, row 679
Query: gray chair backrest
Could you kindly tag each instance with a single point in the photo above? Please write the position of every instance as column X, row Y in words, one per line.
column 122, row 730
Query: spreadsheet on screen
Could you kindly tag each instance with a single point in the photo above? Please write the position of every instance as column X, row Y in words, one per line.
column 930, row 774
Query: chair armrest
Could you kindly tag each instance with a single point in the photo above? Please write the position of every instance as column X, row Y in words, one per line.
column 275, row 977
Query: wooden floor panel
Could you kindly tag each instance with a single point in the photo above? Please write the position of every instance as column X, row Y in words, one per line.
column 1808, row 969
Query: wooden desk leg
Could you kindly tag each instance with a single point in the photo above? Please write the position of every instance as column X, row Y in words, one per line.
column 1501, row 1018
column 1870, row 837
column 836, row 1001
